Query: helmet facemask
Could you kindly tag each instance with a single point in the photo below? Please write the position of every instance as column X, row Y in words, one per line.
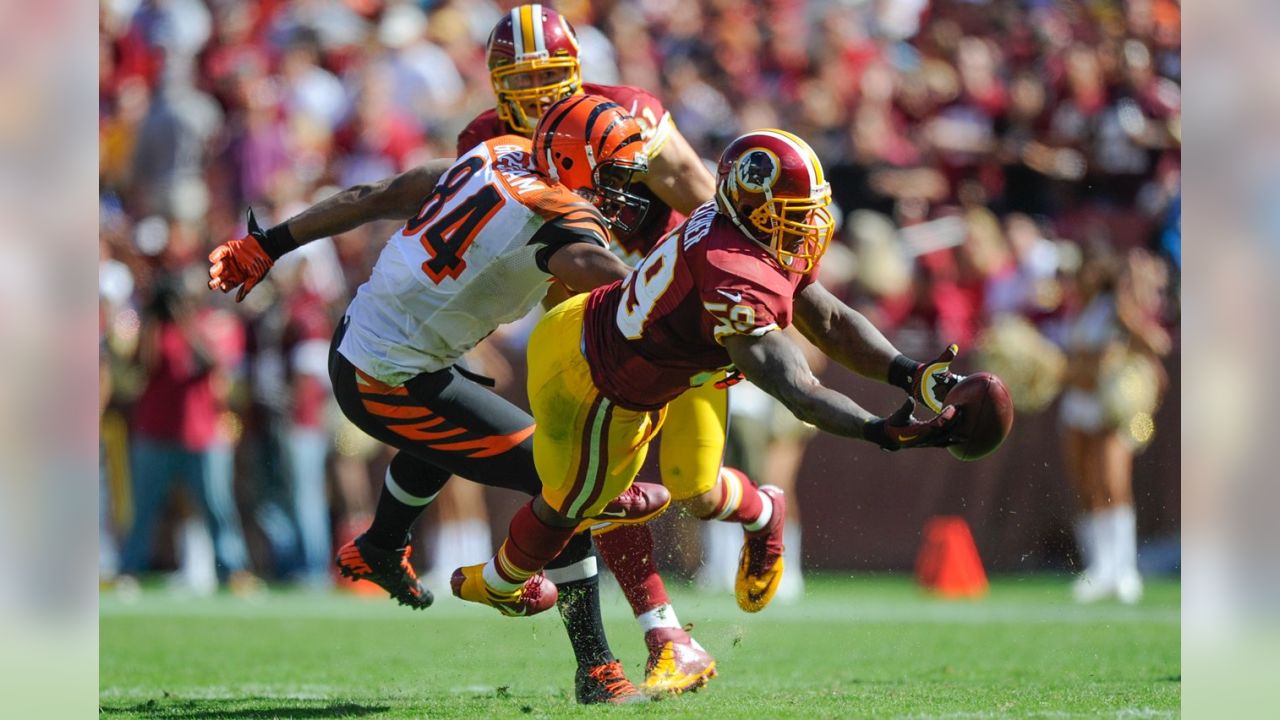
column 798, row 230
column 609, row 192
column 520, row 100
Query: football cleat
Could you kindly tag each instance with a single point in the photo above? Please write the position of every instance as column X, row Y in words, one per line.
column 389, row 569
column 760, row 564
column 605, row 683
column 537, row 595
column 677, row 663
column 637, row 505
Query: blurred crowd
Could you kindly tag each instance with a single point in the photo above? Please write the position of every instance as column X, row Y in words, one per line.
column 990, row 160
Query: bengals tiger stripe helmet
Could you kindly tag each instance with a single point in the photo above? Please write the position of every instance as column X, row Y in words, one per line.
column 533, row 62
column 770, row 184
column 592, row 146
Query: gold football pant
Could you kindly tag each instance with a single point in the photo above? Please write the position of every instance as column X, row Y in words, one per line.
column 587, row 449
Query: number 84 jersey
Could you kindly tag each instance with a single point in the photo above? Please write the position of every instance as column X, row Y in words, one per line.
column 472, row 259
column 661, row 330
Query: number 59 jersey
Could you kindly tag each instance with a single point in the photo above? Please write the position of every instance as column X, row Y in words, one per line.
column 473, row 258
column 660, row 331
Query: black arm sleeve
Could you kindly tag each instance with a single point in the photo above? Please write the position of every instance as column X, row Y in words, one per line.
column 580, row 224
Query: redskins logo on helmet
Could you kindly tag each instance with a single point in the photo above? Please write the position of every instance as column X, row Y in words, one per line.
column 593, row 147
column 533, row 62
column 770, row 184
column 758, row 170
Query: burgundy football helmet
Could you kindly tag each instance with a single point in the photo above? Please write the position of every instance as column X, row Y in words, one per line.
column 533, row 62
column 770, row 183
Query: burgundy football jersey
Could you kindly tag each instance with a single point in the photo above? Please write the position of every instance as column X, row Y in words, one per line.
column 655, row 125
column 660, row 331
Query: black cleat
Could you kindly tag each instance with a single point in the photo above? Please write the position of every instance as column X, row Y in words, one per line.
column 388, row 569
column 605, row 683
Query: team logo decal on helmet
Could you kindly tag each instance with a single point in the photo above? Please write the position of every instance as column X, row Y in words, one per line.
column 758, row 170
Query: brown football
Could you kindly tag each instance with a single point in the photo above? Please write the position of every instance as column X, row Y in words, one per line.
column 985, row 415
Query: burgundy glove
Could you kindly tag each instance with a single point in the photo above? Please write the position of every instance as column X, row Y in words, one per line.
column 928, row 383
column 903, row 430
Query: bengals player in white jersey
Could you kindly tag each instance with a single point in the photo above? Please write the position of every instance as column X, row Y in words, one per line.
column 711, row 298
column 483, row 237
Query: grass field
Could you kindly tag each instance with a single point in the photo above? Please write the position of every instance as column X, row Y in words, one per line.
column 860, row 647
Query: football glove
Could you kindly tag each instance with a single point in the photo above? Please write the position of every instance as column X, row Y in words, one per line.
column 241, row 263
column 930, row 382
column 902, row 430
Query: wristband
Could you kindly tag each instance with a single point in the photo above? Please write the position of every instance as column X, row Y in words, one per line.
column 277, row 241
column 902, row 372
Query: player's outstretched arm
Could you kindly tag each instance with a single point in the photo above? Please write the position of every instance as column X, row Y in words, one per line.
column 777, row 366
column 846, row 336
column 583, row 266
column 678, row 176
column 396, row 198
column 244, row 262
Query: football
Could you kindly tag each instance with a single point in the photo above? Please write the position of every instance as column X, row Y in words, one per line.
column 985, row 415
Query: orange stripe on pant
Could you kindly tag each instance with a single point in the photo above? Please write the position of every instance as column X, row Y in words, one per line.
column 396, row 412
column 487, row 446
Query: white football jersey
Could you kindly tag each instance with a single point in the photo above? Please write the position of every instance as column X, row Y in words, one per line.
column 472, row 259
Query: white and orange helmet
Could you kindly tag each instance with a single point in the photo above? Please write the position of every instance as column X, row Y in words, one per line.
column 770, row 184
column 533, row 62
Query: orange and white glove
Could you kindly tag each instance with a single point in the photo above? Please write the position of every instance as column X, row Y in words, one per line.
column 244, row 263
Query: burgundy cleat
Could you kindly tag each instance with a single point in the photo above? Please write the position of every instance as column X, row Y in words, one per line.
column 638, row 504
column 677, row 663
column 537, row 595
column 760, row 565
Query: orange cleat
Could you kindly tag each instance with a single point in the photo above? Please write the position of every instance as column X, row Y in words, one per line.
column 605, row 683
column 538, row 594
column 389, row 569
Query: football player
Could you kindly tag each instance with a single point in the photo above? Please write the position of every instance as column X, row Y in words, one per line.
column 484, row 235
column 533, row 61
column 711, row 298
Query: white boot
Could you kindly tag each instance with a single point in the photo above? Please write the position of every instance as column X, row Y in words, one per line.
column 1124, row 539
column 456, row 544
column 1098, row 581
column 791, row 587
column 721, row 543
column 197, row 565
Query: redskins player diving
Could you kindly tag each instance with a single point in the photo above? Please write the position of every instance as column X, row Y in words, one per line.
column 533, row 62
column 711, row 298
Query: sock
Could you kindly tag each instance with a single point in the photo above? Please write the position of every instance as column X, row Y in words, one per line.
column 529, row 546
column 628, row 552
column 663, row 616
column 399, row 507
column 1124, row 539
column 742, row 502
column 579, row 605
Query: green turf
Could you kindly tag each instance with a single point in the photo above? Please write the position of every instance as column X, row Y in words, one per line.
column 854, row 647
